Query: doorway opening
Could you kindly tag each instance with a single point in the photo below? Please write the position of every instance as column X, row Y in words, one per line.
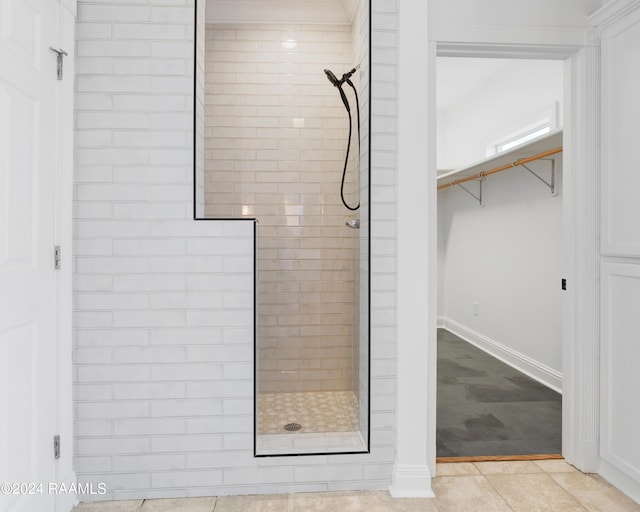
column 500, row 257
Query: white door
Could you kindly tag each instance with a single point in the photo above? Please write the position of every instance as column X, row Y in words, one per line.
column 27, row 286
column 620, row 258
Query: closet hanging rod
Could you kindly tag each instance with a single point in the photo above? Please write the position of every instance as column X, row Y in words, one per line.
column 511, row 165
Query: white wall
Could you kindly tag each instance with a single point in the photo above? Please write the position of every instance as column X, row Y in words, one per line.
column 501, row 16
column 507, row 258
column 163, row 351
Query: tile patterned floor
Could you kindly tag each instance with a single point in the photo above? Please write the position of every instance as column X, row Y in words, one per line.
column 317, row 411
column 540, row 486
column 486, row 407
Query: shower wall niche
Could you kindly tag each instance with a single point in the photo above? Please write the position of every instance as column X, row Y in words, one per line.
column 275, row 139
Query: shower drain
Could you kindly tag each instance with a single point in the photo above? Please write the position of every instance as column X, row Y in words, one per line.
column 292, row 427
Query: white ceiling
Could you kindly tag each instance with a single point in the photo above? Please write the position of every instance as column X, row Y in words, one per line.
column 336, row 12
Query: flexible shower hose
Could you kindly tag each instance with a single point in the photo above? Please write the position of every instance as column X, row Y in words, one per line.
column 346, row 158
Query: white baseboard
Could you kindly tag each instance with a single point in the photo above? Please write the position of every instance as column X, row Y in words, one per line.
column 620, row 480
column 411, row 481
column 534, row 369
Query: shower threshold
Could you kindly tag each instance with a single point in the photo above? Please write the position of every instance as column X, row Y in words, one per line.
column 311, row 442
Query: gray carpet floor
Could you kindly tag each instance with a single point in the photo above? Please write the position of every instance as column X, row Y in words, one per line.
column 486, row 407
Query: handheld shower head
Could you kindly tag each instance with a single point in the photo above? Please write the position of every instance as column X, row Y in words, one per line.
column 346, row 77
column 338, row 83
column 332, row 78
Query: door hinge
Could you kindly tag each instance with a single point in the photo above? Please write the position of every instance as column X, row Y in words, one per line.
column 59, row 55
column 56, row 446
column 564, row 284
column 56, row 257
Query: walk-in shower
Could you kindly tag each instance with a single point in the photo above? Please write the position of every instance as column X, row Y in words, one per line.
column 278, row 149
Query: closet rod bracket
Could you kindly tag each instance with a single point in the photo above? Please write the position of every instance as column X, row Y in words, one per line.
column 478, row 197
column 551, row 184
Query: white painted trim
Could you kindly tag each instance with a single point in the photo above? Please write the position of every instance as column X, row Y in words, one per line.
column 581, row 170
column 505, row 50
column 613, row 11
column 411, row 481
column 432, row 261
column 416, row 284
column 581, row 307
column 620, row 480
column 544, row 41
column 611, row 243
column 64, row 168
column 521, row 362
column 611, row 386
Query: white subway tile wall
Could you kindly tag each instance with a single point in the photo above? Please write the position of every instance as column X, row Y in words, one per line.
column 163, row 348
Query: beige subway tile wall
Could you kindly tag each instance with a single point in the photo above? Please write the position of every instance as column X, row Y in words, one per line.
column 276, row 134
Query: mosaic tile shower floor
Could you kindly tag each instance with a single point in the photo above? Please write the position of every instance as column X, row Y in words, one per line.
column 317, row 411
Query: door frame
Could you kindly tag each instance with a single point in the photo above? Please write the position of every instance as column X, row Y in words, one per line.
column 581, row 178
column 64, row 191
